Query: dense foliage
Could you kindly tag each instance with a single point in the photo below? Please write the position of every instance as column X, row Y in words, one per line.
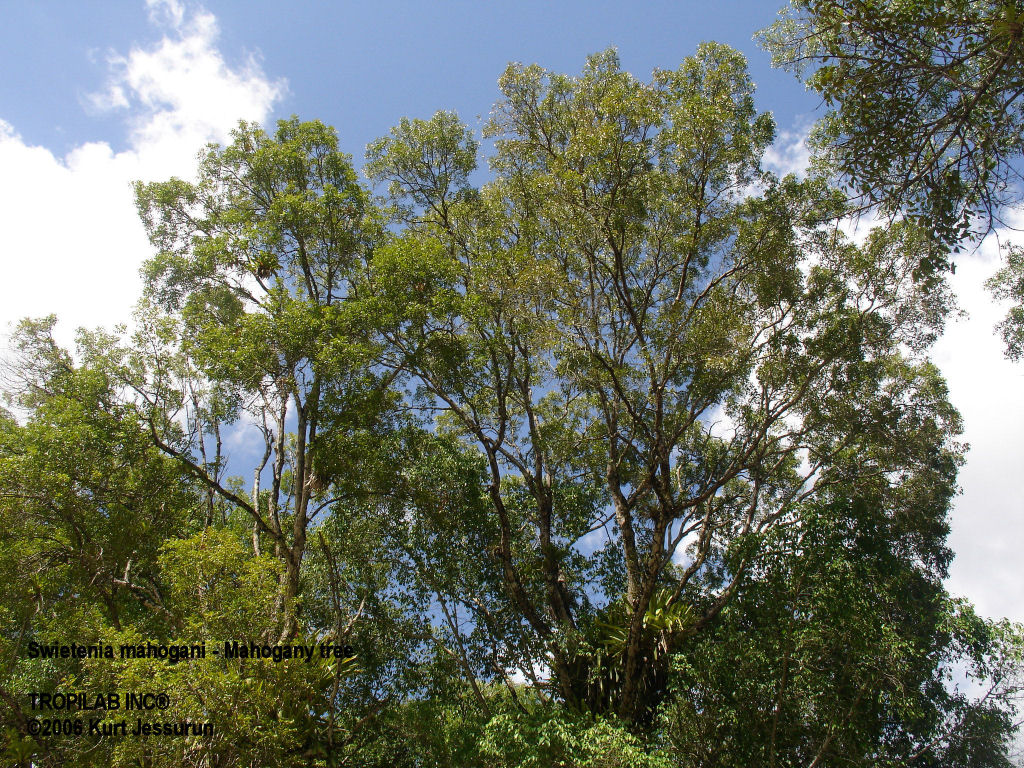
column 625, row 457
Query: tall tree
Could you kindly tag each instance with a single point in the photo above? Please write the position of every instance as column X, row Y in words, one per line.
column 251, row 313
column 645, row 335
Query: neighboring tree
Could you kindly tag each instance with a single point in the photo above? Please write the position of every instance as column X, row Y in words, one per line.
column 86, row 503
column 251, row 313
column 248, row 318
column 84, row 485
column 844, row 647
column 654, row 346
column 924, row 104
column 1008, row 285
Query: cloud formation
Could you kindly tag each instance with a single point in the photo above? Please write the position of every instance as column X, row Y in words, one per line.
column 789, row 153
column 72, row 242
column 988, row 517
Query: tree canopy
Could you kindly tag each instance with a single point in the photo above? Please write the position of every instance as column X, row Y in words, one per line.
column 923, row 100
column 621, row 455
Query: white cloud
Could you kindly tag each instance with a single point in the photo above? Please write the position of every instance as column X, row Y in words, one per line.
column 71, row 240
column 988, row 518
column 166, row 12
column 789, row 153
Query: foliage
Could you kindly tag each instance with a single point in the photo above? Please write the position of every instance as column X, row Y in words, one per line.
column 628, row 277
column 924, row 103
column 623, row 458
column 843, row 648
column 562, row 740
column 1007, row 284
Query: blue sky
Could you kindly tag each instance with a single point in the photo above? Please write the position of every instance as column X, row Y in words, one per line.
column 96, row 95
column 362, row 66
